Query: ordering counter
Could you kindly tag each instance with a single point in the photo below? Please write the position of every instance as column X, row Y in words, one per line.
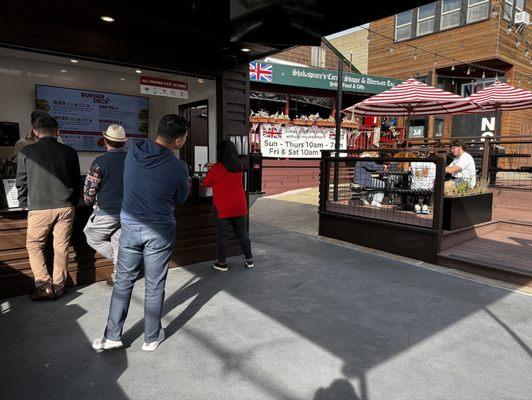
column 195, row 242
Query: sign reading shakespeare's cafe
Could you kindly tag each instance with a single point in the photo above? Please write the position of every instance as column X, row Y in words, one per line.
column 294, row 141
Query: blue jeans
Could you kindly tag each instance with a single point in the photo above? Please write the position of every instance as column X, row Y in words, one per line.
column 151, row 245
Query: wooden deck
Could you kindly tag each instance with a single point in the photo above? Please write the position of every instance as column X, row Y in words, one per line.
column 504, row 246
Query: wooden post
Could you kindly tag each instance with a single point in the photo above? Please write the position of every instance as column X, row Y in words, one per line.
column 486, row 160
column 338, row 124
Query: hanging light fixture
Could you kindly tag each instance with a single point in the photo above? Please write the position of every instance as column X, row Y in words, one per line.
column 468, row 72
column 415, row 53
column 483, row 74
column 526, row 50
column 517, row 42
column 452, row 68
column 435, row 59
column 452, row 81
column 509, row 28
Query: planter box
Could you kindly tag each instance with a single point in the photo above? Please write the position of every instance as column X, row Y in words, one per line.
column 303, row 122
column 350, row 125
column 461, row 212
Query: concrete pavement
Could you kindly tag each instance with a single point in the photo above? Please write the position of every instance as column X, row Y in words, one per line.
column 313, row 320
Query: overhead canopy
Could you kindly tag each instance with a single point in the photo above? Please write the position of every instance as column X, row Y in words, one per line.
column 189, row 35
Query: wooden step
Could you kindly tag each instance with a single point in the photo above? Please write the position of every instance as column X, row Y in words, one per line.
column 452, row 238
column 490, row 271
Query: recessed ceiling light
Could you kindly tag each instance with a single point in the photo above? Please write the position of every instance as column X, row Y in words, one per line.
column 63, row 70
column 106, row 18
column 138, row 71
column 245, row 50
column 122, row 79
column 73, row 61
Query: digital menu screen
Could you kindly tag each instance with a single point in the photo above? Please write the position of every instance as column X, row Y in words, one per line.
column 83, row 115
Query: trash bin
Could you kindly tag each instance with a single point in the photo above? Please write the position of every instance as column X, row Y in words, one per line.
column 255, row 172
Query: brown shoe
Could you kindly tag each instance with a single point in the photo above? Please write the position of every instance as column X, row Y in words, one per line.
column 41, row 294
column 59, row 292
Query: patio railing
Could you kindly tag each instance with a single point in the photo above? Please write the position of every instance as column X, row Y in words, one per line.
column 372, row 195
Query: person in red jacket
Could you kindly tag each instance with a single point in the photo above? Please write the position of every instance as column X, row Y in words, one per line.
column 230, row 206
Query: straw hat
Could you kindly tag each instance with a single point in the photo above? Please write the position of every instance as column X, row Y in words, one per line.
column 115, row 133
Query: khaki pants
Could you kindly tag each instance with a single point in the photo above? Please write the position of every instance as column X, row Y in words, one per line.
column 59, row 221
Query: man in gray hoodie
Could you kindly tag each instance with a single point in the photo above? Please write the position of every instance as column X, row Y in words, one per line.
column 154, row 182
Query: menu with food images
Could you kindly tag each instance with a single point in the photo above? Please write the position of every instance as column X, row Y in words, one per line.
column 83, row 115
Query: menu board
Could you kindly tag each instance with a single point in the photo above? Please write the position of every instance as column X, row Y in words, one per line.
column 83, row 115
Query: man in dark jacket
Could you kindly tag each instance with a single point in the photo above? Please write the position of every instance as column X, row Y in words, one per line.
column 48, row 184
column 154, row 182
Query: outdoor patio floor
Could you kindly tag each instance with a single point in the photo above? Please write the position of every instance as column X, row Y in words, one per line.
column 313, row 320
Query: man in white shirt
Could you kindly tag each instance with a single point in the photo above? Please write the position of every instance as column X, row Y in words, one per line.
column 462, row 168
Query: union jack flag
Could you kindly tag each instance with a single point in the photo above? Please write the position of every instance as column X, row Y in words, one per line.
column 260, row 72
column 272, row 134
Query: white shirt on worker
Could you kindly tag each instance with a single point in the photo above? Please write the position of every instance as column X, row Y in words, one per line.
column 423, row 175
column 469, row 171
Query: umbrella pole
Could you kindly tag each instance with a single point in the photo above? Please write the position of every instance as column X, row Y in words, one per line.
column 498, row 122
column 407, row 129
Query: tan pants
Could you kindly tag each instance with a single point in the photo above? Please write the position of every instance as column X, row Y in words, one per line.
column 59, row 221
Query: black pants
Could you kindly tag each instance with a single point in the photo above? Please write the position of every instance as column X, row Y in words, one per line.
column 239, row 226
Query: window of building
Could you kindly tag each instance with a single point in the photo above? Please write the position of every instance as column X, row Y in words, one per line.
column 317, row 57
column 450, row 14
column 418, row 128
column 439, row 126
column 512, row 7
column 447, row 14
column 477, row 10
column 425, row 19
column 508, row 10
column 403, row 25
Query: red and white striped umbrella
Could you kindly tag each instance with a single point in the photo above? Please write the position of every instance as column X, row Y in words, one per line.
column 412, row 98
column 502, row 97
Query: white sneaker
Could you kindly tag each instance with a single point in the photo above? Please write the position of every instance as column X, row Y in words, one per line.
column 425, row 209
column 417, row 207
column 106, row 344
column 376, row 204
column 153, row 345
column 249, row 263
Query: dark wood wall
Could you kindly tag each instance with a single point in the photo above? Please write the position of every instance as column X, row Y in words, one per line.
column 195, row 242
column 233, row 101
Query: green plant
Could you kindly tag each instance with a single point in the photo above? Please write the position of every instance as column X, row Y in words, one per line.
column 465, row 189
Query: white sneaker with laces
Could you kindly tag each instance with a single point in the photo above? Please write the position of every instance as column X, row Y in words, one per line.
column 425, row 209
column 376, row 204
column 249, row 263
column 106, row 344
column 153, row 345
column 417, row 207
